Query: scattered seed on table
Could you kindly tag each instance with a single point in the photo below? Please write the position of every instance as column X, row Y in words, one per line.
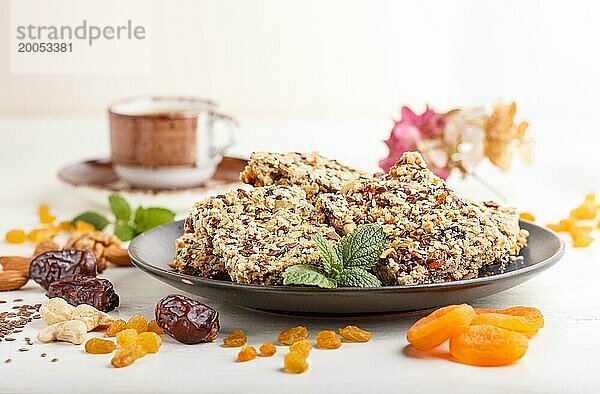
column 8, row 360
column 18, row 300
column 36, row 316
column 2, row 302
column 9, row 339
column 54, row 360
column 23, row 349
column 43, row 354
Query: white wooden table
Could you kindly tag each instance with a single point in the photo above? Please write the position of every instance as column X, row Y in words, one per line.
column 563, row 357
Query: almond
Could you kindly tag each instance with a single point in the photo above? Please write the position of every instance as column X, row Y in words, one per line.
column 15, row 263
column 45, row 246
column 117, row 256
column 12, row 280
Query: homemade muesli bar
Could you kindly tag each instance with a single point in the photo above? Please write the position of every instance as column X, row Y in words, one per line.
column 254, row 235
column 434, row 236
column 312, row 172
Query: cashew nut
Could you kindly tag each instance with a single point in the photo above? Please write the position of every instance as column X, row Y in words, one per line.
column 56, row 310
column 91, row 316
column 67, row 331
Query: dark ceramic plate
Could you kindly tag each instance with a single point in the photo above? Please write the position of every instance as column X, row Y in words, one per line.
column 154, row 249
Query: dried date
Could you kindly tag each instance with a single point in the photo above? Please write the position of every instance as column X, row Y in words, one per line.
column 82, row 289
column 54, row 265
column 187, row 320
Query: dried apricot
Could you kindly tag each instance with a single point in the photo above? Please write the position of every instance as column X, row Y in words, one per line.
column 303, row 347
column 15, row 236
column 508, row 322
column 237, row 338
column 154, row 327
column 433, row 330
column 138, row 323
column 328, row 340
column 267, row 350
column 116, row 327
column 246, row 354
column 294, row 362
column 127, row 355
column 486, row 345
column 84, row 227
column 99, row 346
column 531, row 317
column 354, row 334
column 150, row 341
column 127, row 337
column 292, row 335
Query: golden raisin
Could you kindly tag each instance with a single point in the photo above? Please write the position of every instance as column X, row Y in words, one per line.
column 15, row 236
column 154, row 327
column 84, row 227
column 127, row 337
column 127, row 355
column 328, row 340
column 354, row 334
column 486, row 345
column 292, row 335
column 99, row 346
column 294, row 362
column 150, row 341
column 237, row 338
column 303, row 347
column 433, row 330
column 38, row 235
column 527, row 216
column 115, row 327
column 246, row 354
column 587, row 210
column 267, row 350
column 44, row 214
column 138, row 323
column 65, row 226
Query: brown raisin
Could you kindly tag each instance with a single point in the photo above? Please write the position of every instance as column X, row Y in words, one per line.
column 354, row 334
column 294, row 362
column 57, row 264
column 237, row 338
column 99, row 346
column 115, row 327
column 246, row 354
column 187, row 320
column 292, row 335
column 267, row 350
column 328, row 340
column 81, row 289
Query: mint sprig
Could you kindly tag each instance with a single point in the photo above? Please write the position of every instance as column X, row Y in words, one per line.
column 126, row 225
column 345, row 263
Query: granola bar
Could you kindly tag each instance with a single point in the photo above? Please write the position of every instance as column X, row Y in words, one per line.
column 254, row 235
column 433, row 235
column 312, row 172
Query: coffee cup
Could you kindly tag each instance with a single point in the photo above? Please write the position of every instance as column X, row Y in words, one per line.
column 168, row 142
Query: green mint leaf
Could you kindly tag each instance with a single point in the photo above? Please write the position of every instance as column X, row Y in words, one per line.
column 119, row 207
column 93, row 218
column 362, row 247
column 307, row 275
column 357, row 277
column 124, row 231
column 331, row 261
column 147, row 218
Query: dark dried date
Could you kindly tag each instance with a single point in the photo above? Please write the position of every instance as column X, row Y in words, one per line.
column 51, row 266
column 187, row 320
column 82, row 289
